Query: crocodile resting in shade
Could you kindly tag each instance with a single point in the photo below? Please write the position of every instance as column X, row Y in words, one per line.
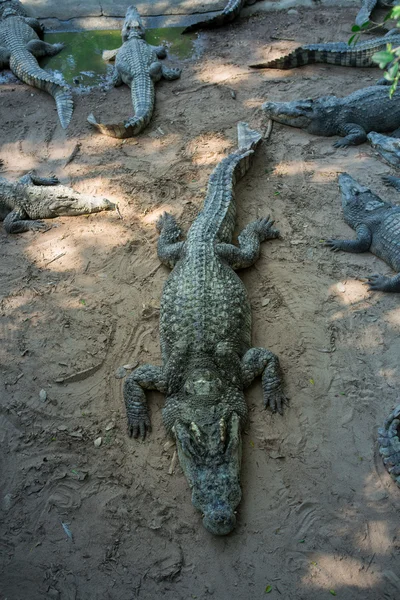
column 205, row 331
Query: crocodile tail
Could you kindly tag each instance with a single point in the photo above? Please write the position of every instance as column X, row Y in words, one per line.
column 230, row 12
column 335, row 53
column 142, row 92
column 25, row 66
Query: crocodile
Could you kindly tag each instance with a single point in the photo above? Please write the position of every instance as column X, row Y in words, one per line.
column 377, row 224
column 389, row 444
column 387, row 147
column 205, row 333
column 33, row 197
column 20, row 46
column 333, row 53
column 368, row 109
column 367, row 6
column 230, row 12
column 137, row 65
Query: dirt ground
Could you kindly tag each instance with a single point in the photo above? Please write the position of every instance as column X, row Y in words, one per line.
column 319, row 515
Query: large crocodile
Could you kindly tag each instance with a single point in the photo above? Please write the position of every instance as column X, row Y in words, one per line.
column 205, row 331
column 377, row 224
column 333, row 53
column 389, row 444
column 367, row 6
column 20, row 45
column 137, row 65
column 33, row 197
column 368, row 109
column 230, row 12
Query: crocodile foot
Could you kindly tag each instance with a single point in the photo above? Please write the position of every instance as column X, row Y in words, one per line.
column 276, row 401
column 389, row 444
column 378, row 283
column 138, row 420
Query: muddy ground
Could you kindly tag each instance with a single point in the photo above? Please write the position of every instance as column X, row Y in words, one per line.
column 319, row 515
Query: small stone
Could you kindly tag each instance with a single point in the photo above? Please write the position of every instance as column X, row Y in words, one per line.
column 62, row 428
column 110, row 426
column 265, row 302
column 43, row 395
column 97, row 442
column 292, row 11
column 340, row 287
column 120, row 373
column 130, row 366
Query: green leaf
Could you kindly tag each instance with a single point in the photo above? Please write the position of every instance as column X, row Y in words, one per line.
column 365, row 25
column 332, row 592
column 393, row 70
column 383, row 58
column 268, row 589
column 356, row 28
column 312, row 381
column 394, row 13
column 82, row 301
column 354, row 39
column 301, row 541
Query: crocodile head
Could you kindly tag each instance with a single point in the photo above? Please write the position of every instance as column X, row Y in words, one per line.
column 358, row 202
column 298, row 113
column 210, row 456
column 388, row 147
column 133, row 25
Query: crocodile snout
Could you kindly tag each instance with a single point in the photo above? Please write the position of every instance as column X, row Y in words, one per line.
column 219, row 520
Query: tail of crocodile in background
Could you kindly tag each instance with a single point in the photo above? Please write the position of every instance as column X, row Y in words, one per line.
column 25, row 66
column 230, row 12
column 334, row 53
column 142, row 93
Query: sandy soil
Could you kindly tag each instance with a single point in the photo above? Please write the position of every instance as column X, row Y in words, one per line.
column 320, row 515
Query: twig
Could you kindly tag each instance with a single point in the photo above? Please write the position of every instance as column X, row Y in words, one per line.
column 73, row 154
column 55, row 258
column 119, row 213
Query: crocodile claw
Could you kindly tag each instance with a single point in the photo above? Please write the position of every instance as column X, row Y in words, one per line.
column 343, row 143
column 377, row 282
column 139, row 426
column 276, row 401
column 332, row 245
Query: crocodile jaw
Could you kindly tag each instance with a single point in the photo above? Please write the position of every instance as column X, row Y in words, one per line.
column 296, row 114
column 210, row 458
column 388, row 148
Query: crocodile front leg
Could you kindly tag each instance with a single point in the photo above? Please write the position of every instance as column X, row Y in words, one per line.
column 31, row 179
column 169, row 250
column 361, row 244
column 259, row 361
column 354, row 135
column 35, row 25
column 116, row 79
column 4, row 58
column 16, row 222
column 146, row 377
column 39, row 48
column 249, row 244
column 392, row 181
column 170, row 73
column 160, row 51
column 382, row 283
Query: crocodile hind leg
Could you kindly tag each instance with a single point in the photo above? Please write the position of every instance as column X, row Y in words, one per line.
column 259, row 361
column 171, row 73
column 353, row 134
column 35, row 25
column 389, row 444
column 39, row 48
column 4, row 58
column 146, row 377
column 16, row 222
column 249, row 244
column 169, row 249
column 116, row 79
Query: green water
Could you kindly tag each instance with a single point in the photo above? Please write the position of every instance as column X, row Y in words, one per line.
column 81, row 63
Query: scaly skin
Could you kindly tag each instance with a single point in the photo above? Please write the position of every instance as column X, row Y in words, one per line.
column 230, row 12
column 367, row 6
column 389, row 444
column 333, row 53
column 33, row 197
column 205, row 331
column 377, row 224
column 137, row 65
column 387, row 147
column 368, row 109
column 20, row 45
